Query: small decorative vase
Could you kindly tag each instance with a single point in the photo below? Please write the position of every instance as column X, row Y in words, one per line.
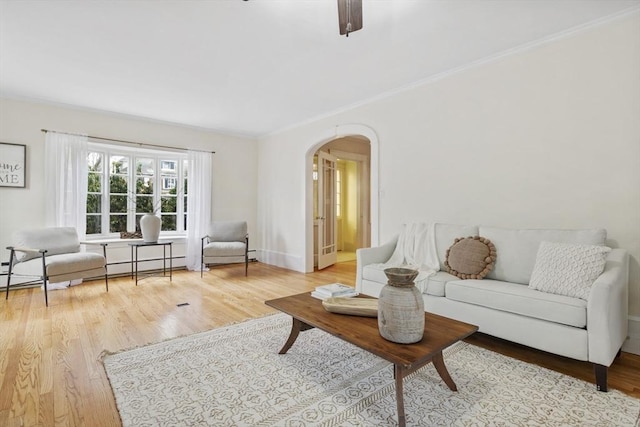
column 150, row 225
column 401, row 307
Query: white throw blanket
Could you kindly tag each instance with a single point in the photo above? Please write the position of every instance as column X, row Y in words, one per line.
column 416, row 248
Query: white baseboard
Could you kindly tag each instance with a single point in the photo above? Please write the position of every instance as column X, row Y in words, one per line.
column 281, row 259
column 632, row 343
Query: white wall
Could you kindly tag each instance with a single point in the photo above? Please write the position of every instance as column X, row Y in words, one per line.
column 548, row 137
column 234, row 175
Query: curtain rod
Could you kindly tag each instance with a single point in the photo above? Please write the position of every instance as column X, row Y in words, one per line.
column 128, row 142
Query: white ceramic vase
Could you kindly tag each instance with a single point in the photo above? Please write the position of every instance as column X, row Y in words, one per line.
column 150, row 225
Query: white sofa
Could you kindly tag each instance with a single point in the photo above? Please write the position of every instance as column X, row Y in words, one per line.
column 504, row 306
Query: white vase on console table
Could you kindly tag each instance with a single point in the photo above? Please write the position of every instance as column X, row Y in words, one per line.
column 150, row 226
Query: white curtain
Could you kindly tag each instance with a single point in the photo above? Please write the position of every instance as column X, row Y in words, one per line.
column 65, row 174
column 200, row 170
column 65, row 178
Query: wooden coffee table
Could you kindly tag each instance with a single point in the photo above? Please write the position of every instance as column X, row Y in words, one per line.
column 439, row 333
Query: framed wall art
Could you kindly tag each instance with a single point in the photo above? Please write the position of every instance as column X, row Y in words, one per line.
column 13, row 165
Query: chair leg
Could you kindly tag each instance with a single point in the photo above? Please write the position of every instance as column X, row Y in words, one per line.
column 246, row 265
column 8, row 283
column 46, row 295
column 13, row 252
column 106, row 266
column 246, row 255
column 45, row 279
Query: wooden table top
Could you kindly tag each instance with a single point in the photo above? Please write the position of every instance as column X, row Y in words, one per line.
column 439, row 332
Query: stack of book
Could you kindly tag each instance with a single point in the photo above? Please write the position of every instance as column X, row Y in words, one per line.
column 333, row 290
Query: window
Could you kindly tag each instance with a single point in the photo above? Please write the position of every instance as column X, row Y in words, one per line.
column 139, row 181
column 168, row 165
column 168, row 183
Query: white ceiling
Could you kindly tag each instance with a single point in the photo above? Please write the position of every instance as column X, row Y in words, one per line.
column 255, row 67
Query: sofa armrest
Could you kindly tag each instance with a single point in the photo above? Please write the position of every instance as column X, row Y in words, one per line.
column 366, row 256
column 607, row 309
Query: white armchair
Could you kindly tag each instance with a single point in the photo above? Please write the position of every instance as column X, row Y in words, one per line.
column 53, row 255
column 227, row 242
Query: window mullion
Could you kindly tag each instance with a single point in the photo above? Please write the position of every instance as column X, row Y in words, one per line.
column 157, row 186
column 131, row 194
column 106, row 193
column 179, row 225
column 178, row 199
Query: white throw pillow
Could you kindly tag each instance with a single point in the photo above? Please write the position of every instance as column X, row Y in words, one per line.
column 568, row 269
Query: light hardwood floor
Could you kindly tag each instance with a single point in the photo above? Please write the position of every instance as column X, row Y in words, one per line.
column 50, row 370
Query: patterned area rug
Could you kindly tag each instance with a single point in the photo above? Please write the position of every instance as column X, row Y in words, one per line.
column 233, row 376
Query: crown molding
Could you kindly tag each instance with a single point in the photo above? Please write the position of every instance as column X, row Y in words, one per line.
column 471, row 65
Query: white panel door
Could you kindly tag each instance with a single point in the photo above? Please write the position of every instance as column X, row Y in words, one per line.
column 327, row 223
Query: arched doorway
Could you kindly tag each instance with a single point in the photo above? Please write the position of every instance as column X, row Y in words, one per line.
column 340, row 140
column 341, row 200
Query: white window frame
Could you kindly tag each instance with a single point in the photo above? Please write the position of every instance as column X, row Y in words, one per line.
column 159, row 156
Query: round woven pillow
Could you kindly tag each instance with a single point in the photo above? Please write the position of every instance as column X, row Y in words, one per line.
column 470, row 257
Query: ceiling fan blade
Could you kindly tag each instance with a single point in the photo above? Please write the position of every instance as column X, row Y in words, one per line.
column 349, row 12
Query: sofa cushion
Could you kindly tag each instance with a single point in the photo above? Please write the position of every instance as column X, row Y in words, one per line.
column 56, row 240
column 517, row 248
column 519, row 299
column 434, row 284
column 568, row 269
column 221, row 249
column 470, row 257
column 445, row 236
column 63, row 265
column 437, row 283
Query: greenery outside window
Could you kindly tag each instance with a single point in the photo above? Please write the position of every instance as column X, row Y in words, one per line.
column 139, row 181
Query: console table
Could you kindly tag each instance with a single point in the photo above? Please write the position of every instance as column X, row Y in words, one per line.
column 135, row 260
